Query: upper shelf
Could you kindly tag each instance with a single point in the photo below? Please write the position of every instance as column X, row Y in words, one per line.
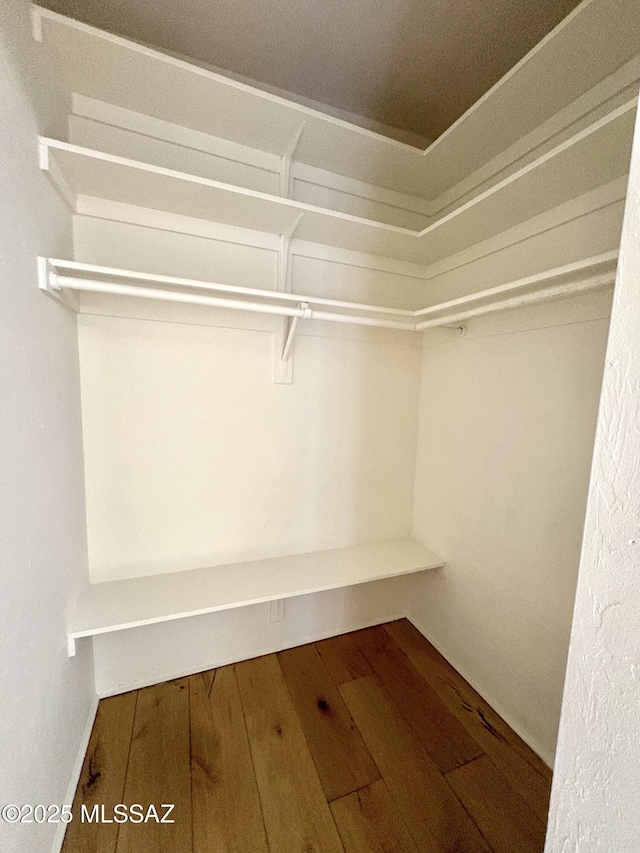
column 591, row 43
column 594, row 156
column 122, row 604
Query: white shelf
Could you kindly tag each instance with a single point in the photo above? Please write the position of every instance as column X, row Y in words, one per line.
column 77, row 171
column 122, row 604
column 590, row 44
column 590, row 158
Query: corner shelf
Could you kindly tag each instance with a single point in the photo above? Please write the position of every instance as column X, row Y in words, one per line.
column 592, row 157
column 594, row 40
column 118, row 605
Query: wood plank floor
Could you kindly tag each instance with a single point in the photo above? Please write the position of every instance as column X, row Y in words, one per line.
column 365, row 743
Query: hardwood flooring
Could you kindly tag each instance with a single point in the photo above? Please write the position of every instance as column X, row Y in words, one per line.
column 365, row 743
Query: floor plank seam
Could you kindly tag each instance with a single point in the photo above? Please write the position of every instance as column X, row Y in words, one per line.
column 188, row 689
column 126, row 770
column 464, row 763
column 253, row 764
column 359, row 788
column 306, row 740
column 471, row 818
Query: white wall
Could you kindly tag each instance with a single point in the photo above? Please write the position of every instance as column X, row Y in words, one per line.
column 46, row 698
column 507, row 420
column 594, row 801
column 193, row 456
column 153, row 653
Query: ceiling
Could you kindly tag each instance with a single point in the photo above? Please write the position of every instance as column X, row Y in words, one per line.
column 409, row 68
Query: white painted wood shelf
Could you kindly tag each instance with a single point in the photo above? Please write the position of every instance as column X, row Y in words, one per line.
column 593, row 41
column 594, row 156
column 118, row 605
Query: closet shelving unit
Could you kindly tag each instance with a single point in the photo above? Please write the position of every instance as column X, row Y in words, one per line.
column 468, row 186
column 592, row 157
column 129, row 75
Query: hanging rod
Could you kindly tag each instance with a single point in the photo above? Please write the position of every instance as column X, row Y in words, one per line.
column 58, row 282
column 535, row 298
column 113, row 272
column 596, row 272
column 589, row 266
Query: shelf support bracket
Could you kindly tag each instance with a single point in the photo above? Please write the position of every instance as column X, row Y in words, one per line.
column 283, row 347
column 283, row 338
column 286, row 161
column 290, row 330
column 71, row 645
column 283, row 278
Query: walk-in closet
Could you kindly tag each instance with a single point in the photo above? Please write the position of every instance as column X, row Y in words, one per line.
column 300, row 416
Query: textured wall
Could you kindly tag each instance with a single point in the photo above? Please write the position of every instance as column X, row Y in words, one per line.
column 594, row 806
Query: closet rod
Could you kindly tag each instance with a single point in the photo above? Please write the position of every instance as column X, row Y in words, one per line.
column 222, row 288
column 606, row 259
column 537, row 296
column 83, row 284
column 596, row 272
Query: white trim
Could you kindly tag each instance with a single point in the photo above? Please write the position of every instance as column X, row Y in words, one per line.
column 273, row 646
column 314, row 175
column 117, row 211
column 604, row 196
column 58, row 838
column 91, row 109
column 592, row 128
column 145, row 217
column 487, row 695
column 583, row 205
column 267, row 649
column 622, row 83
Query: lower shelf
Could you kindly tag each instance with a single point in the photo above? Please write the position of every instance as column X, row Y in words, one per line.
column 117, row 605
